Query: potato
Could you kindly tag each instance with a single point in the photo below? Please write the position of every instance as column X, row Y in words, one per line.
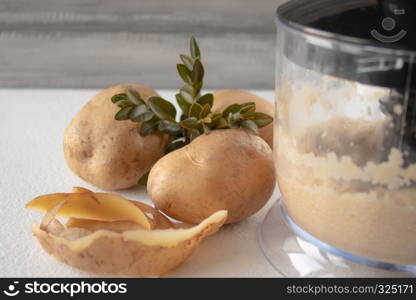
column 224, row 98
column 107, row 153
column 120, row 248
column 227, row 169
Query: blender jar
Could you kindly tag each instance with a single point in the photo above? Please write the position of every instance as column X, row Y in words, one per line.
column 345, row 126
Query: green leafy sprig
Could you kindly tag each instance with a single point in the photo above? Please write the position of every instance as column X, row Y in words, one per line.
column 196, row 118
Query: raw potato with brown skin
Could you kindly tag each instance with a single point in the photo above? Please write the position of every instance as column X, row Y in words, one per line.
column 107, row 153
column 224, row 98
column 227, row 169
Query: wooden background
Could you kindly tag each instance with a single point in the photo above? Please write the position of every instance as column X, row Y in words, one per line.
column 98, row 43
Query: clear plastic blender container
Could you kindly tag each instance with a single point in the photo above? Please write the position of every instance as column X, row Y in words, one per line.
column 345, row 126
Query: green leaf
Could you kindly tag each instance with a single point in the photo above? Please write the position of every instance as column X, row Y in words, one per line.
column 195, row 110
column 183, row 104
column 206, row 109
column 187, row 61
column 190, row 123
column 206, row 99
column 119, row 97
column 175, row 145
column 197, row 72
column 184, row 73
column 261, row 119
column 206, row 120
column 143, row 179
column 250, row 126
column 123, row 103
column 194, row 48
column 215, row 117
column 234, row 124
column 233, row 108
column 148, row 127
column 182, row 138
column 247, row 108
column 134, row 96
column 169, row 127
column 197, row 89
column 138, row 110
column 188, row 88
column 206, row 128
column 188, row 97
column 124, row 113
column 222, row 124
column 247, row 104
column 235, row 117
column 162, row 108
column 141, row 114
column 194, row 134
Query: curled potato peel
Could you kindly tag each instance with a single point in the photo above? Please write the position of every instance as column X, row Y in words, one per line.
column 157, row 220
column 122, row 247
column 96, row 206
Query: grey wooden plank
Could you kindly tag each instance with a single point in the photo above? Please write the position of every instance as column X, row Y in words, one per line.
column 94, row 44
column 138, row 16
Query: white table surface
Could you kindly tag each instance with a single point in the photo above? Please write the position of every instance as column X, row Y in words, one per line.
column 32, row 123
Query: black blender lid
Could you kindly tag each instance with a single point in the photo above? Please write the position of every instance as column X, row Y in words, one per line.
column 384, row 28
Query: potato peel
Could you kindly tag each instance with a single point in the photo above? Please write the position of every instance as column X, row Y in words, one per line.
column 136, row 252
column 116, row 247
column 157, row 220
column 78, row 189
column 83, row 203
